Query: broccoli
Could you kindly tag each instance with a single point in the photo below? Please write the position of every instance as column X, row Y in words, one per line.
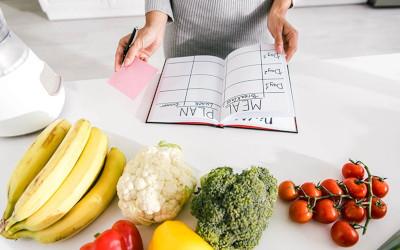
column 233, row 209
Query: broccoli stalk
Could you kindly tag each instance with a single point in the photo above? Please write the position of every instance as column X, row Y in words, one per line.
column 233, row 209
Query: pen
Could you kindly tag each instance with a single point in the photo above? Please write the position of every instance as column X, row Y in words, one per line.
column 128, row 45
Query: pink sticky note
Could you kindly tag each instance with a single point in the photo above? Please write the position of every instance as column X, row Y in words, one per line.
column 132, row 79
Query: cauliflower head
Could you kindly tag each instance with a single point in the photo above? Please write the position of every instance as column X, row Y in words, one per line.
column 155, row 184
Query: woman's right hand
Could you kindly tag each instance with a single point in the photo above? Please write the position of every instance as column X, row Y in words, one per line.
column 147, row 41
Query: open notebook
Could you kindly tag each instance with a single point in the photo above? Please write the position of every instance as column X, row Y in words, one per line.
column 250, row 88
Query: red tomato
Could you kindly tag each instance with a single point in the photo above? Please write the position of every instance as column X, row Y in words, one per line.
column 130, row 233
column 344, row 234
column 352, row 170
column 325, row 211
column 300, row 212
column 309, row 189
column 356, row 189
column 379, row 187
column 287, row 191
column 332, row 186
column 378, row 209
column 353, row 212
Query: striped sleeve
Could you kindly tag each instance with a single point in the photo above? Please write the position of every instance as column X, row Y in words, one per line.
column 160, row 5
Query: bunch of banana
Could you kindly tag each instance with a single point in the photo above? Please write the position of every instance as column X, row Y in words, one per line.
column 59, row 192
column 34, row 160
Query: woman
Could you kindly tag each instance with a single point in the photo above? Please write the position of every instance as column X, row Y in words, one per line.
column 209, row 27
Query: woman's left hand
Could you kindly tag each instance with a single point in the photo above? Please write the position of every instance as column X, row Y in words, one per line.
column 285, row 35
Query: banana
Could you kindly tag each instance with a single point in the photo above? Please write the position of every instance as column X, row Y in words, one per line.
column 73, row 188
column 49, row 179
column 87, row 209
column 34, row 160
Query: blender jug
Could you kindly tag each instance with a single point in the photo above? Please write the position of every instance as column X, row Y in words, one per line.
column 31, row 93
column 13, row 51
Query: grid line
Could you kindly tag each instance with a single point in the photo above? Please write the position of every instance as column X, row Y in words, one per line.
column 262, row 74
column 197, row 61
column 236, row 83
column 249, row 65
column 245, row 52
column 170, row 90
column 214, row 104
column 195, row 75
column 190, row 76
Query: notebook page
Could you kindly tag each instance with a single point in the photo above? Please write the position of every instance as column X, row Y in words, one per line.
column 190, row 90
column 257, row 88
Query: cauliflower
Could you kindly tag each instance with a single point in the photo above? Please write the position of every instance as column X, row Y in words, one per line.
column 155, row 184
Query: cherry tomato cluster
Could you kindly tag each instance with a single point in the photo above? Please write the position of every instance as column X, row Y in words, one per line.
column 347, row 202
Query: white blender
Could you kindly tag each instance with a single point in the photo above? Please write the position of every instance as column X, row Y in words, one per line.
column 31, row 93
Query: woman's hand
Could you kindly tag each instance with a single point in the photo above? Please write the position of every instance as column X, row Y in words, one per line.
column 148, row 40
column 284, row 33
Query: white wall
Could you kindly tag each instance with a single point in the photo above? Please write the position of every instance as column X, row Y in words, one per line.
column 77, row 9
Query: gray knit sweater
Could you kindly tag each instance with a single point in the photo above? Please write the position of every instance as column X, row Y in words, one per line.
column 211, row 27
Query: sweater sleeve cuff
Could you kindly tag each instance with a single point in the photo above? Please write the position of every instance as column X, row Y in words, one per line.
column 160, row 5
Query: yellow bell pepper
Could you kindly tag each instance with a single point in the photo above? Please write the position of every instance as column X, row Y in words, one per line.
column 175, row 235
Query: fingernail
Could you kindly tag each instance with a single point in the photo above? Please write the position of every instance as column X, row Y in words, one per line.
column 127, row 62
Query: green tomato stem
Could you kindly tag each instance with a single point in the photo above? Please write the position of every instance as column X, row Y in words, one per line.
column 370, row 195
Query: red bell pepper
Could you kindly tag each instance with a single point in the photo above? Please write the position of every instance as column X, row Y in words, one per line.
column 122, row 236
column 131, row 235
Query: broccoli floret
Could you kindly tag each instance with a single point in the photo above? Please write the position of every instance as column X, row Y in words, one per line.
column 233, row 209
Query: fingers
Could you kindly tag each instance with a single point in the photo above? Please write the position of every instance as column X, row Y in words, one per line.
column 285, row 35
column 143, row 55
column 146, row 42
column 118, row 58
column 278, row 39
column 132, row 52
column 144, row 58
column 291, row 49
column 291, row 43
column 119, row 53
column 138, row 48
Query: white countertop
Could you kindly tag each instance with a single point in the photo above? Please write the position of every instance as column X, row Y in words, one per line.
column 342, row 111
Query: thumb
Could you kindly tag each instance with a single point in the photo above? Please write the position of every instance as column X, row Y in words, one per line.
column 278, row 39
column 132, row 52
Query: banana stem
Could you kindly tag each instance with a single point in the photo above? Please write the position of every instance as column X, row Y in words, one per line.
column 18, row 235
column 15, row 228
column 9, row 210
column 21, row 234
column 9, row 223
column 2, row 225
